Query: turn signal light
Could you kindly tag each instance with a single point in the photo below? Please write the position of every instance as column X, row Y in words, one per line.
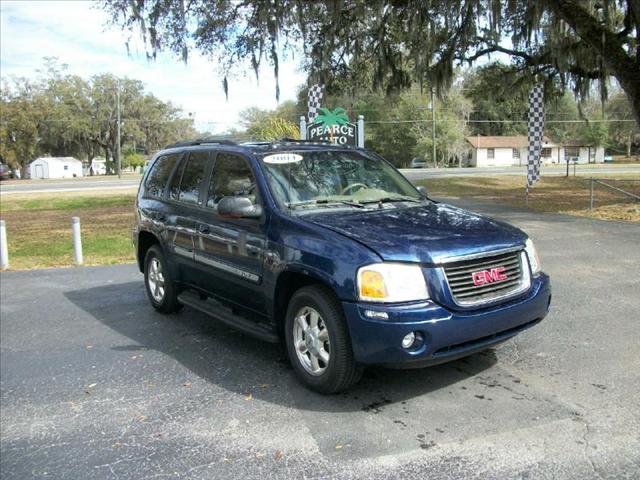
column 372, row 285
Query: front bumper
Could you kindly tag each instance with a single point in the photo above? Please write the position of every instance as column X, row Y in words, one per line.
column 447, row 334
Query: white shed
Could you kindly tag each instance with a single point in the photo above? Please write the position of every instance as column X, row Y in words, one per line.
column 55, row 167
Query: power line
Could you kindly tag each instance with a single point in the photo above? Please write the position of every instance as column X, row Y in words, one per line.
column 294, row 116
column 464, row 120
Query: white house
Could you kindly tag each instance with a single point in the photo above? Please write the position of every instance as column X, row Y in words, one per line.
column 583, row 151
column 55, row 167
column 508, row 150
column 97, row 166
column 512, row 150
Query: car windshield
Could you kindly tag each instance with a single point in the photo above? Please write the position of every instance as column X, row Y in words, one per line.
column 335, row 177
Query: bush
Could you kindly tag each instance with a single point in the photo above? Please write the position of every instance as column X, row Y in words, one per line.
column 133, row 160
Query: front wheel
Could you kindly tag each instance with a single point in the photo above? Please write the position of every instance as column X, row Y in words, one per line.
column 160, row 287
column 318, row 342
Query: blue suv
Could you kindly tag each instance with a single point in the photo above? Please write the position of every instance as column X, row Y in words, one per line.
column 331, row 250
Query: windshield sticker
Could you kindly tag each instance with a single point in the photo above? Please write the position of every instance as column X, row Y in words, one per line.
column 282, row 158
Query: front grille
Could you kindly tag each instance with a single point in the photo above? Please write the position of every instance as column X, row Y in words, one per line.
column 460, row 276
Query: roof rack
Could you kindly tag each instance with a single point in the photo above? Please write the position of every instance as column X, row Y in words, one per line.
column 256, row 143
column 296, row 140
column 202, row 141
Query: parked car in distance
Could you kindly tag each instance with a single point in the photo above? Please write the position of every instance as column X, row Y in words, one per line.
column 418, row 163
column 331, row 250
column 5, row 172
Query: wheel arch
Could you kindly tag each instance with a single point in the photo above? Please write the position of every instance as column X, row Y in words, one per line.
column 145, row 241
column 289, row 282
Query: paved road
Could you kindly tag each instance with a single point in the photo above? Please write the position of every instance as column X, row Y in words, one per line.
column 95, row 384
column 80, row 184
column 590, row 170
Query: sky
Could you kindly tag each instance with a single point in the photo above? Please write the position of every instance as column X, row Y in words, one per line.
column 76, row 32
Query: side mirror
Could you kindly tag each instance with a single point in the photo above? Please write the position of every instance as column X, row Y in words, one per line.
column 238, row 207
column 422, row 190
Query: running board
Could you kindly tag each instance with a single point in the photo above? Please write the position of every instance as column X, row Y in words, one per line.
column 220, row 312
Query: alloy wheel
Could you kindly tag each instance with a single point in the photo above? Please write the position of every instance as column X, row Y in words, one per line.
column 155, row 280
column 311, row 341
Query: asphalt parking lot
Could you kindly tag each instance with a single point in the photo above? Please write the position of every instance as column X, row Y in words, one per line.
column 95, row 384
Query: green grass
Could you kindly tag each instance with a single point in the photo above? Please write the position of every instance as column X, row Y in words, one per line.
column 39, row 229
column 65, row 203
column 551, row 194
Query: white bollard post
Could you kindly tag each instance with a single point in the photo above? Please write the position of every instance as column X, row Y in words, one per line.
column 4, row 250
column 360, row 131
column 77, row 240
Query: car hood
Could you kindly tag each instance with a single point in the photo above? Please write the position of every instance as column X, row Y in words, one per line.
column 425, row 233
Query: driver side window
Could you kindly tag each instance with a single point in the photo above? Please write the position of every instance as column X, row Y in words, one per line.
column 231, row 176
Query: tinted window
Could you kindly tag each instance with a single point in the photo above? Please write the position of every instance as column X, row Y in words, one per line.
column 174, row 188
column 231, row 177
column 192, row 176
column 159, row 175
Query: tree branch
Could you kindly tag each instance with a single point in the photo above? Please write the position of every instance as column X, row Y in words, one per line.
column 587, row 27
column 498, row 48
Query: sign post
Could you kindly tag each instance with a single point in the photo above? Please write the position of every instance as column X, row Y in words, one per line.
column 360, row 131
column 303, row 128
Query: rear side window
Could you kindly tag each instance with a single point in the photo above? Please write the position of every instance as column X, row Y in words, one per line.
column 159, row 174
column 192, row 177
column 174, row 188
column 231, row 176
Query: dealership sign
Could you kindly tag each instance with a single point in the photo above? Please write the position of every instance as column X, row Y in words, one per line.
column 333, row 126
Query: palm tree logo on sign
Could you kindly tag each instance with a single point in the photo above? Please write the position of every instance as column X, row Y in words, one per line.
column 333, row 126
column 329, row 118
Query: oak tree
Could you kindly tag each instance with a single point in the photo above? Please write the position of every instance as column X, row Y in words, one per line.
column 392, row 44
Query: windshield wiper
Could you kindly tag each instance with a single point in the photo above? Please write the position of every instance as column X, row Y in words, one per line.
column 392, row 199
column 324, row 201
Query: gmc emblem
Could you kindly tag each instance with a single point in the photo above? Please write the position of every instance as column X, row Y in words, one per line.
column 489, row 276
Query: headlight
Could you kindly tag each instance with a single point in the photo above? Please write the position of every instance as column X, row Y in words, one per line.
column 391, row 282
column 534, row 260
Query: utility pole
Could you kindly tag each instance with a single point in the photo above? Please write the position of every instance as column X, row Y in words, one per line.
column 433, row 127
column 119, row 159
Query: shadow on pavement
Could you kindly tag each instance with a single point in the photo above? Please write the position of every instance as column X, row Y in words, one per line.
column 244, row 365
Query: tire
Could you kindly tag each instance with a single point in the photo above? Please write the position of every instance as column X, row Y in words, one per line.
column 329, row 336
column 159, row 285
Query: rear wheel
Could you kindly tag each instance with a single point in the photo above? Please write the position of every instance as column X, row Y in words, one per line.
column 318, row 342
column 160, row 287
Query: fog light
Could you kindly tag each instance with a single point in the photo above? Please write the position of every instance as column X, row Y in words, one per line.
column 408, row 340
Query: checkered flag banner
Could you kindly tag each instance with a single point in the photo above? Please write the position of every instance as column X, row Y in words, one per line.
column 314, row 101
column 536, row 133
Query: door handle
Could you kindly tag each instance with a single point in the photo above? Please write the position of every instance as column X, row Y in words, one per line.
column 203, row 228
